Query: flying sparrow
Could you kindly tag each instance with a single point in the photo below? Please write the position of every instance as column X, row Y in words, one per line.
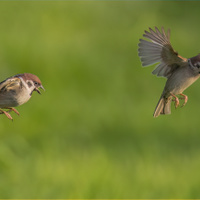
column 180, row 72
column 17, row 90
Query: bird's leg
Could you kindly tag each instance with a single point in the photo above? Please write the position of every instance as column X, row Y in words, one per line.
column 14, row 110
column 185, row 99
column 176, row 100
column 6, row 113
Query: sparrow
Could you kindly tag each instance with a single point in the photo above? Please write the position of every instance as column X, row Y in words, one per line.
column 17, row 90
column 179, row 71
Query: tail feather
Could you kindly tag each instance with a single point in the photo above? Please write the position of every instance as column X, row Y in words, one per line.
column 163, row 107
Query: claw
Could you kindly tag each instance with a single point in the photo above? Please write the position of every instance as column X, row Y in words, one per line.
column 14, row 110
column 176, row 100
column 185, row 99
column 6, row 113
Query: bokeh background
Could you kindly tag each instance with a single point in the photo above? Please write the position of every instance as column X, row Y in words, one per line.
column 91, row 134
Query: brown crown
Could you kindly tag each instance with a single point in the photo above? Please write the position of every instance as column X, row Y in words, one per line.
column 28, row 76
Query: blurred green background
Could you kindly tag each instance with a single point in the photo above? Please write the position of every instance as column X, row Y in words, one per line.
column 91, row 134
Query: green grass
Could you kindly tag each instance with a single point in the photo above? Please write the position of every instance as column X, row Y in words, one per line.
column 91, row 134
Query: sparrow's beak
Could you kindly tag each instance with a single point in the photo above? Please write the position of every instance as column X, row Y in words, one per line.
column 38, row 91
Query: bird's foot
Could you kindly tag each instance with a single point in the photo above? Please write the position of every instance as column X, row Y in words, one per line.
column 14, row 110
column 185, row 99
column 6, row 113
column 176, row 100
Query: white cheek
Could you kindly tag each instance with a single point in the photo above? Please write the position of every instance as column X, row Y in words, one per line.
column 29, row 85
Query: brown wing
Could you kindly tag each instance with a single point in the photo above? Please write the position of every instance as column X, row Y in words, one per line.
column 159, row 49
column 10, row 84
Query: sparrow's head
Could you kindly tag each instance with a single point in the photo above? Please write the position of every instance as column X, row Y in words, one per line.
column 32, row 81
column 194, row 63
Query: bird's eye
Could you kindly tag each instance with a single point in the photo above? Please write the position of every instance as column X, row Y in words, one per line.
column 36, row 83
column 197, row 64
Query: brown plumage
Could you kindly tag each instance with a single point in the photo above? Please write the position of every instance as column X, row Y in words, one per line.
column 180, row 72
column 17, row 90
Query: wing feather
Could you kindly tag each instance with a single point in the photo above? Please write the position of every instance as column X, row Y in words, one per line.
column 10, row 84
column 159, row 50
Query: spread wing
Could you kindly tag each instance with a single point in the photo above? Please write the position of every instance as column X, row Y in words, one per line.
column 159, row 49
column 10, row 84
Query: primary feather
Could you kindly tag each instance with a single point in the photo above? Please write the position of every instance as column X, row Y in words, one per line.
column 159, row 50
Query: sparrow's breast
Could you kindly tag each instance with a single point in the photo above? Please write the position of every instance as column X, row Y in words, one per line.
column 22, row 96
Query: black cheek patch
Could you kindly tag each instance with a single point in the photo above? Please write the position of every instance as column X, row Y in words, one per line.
column 197, row 65
column 29, row 84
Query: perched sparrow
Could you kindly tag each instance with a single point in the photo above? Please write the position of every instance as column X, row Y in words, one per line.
column 17, row 90
column 180, row 72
